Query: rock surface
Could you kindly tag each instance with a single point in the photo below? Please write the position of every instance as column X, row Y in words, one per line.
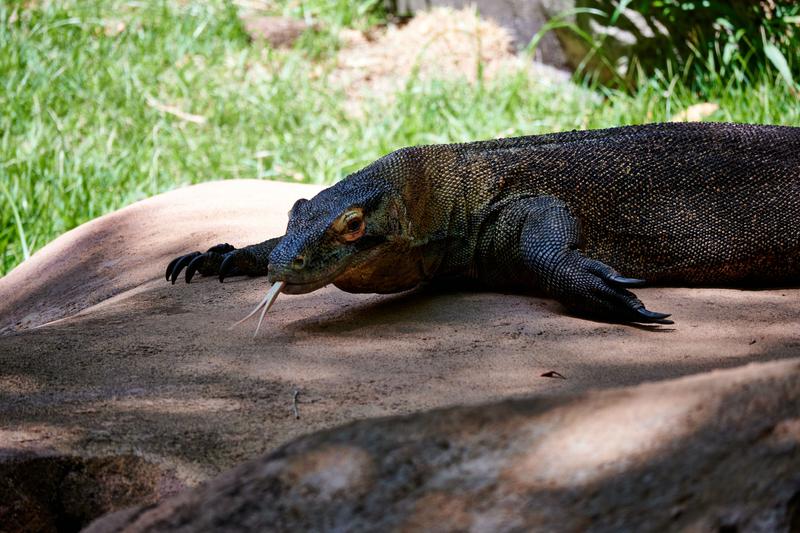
column 100, row 357
column 45, row 492
column 123, row 250
column 719, row 452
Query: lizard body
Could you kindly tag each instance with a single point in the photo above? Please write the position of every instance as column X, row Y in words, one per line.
column 578, row 215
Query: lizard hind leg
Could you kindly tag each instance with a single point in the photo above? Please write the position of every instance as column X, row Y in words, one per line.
column 546, row 257
column 597, row 289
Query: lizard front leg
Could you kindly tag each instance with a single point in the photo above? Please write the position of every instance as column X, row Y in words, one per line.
column 535, row 242
column 224, row 260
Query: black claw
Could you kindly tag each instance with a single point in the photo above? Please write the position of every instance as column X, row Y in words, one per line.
column 182, row 262
column 193, row 266
column 652, row 316
column 621, row 280
column 226, row 267
column 172, row 264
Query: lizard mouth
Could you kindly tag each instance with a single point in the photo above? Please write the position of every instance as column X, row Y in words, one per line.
column 303, row 288
column 288, row 287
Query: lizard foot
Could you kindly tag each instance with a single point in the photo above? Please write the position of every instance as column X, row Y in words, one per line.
column 599, row 290
column 224, row 260
column 207, row 263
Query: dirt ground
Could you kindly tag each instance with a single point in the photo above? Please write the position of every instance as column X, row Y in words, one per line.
column 100, row 355
column 452, row 44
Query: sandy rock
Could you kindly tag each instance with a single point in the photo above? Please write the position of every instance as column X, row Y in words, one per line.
column 122, row 250
column 101, row 357
column 710, row 453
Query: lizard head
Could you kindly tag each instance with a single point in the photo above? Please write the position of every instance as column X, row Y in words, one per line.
column 356, row 235
column 339, row 236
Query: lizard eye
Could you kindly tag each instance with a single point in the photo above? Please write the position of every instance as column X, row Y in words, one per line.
column 351, row 226
column 354, row 224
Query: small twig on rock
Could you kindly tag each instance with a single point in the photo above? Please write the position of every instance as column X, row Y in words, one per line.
column 553, row 374
column 294, row 404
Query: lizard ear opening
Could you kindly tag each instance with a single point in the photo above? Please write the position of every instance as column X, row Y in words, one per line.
column 351, row 226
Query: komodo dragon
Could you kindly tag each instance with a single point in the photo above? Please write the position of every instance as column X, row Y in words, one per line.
column 579, row 216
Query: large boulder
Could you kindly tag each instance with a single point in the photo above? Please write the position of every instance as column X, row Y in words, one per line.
column 124, row 249
column 103, row 362
column 719, row 452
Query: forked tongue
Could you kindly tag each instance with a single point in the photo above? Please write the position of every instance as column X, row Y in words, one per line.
column 264, row 305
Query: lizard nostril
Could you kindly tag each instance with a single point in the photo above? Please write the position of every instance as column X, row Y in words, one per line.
column 299, row 262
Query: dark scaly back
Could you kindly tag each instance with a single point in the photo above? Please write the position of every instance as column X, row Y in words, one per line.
column 706, row 203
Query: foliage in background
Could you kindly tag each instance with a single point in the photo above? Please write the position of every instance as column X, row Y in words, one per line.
column 706, row 43
column 105, row 102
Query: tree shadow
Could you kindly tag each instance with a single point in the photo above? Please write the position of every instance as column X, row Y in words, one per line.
column 710, row 453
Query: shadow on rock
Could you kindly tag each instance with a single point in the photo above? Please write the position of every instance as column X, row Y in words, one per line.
column 60, row 493
column 707, row 453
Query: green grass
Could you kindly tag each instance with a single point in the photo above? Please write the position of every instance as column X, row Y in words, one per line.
column 83, row 129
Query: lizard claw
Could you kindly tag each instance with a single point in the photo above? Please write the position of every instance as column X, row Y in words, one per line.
column 226, row 267
column 653, row 317
column 608, row 274
column 207, row 263
column 196, row 264
column 222, row 260
column 604, row 294
column 180, row 264
column 621, row 280
column 171, row 265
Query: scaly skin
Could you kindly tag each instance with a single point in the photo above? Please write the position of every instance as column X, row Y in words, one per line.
column 578, row 215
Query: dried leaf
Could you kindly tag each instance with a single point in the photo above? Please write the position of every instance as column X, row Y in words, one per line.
column 696, row 112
